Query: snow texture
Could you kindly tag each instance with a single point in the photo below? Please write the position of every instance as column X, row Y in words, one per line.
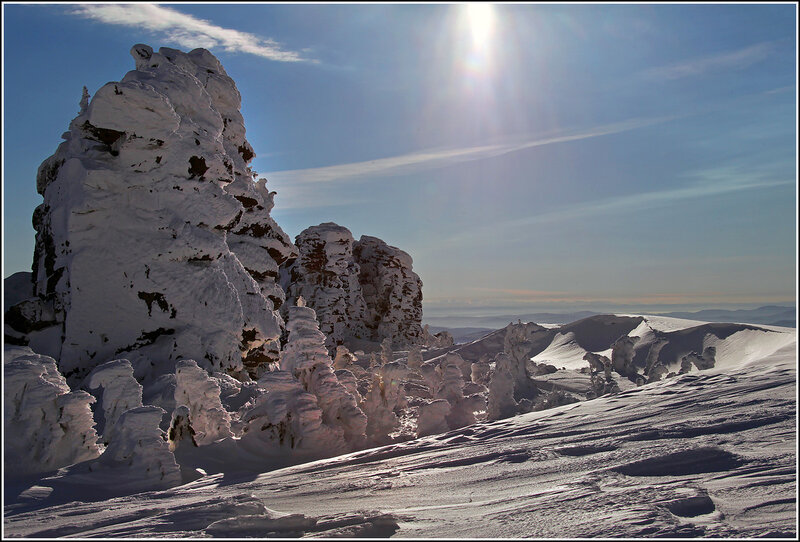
column 709, row 454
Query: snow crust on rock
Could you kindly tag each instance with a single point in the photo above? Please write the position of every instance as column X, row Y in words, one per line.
column 153, row 236
column 46, row 426
column 360, row 290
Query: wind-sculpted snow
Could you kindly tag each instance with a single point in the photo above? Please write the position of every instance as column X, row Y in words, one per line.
column 45, row 425
column 153, row 238
column 706, row 454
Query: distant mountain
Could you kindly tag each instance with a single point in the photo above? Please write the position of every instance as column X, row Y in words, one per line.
column 771, row 315
column 496, row 322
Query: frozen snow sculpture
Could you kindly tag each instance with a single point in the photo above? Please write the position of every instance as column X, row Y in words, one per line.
column 379, row 408
column 433, row 418
column 153, row 236
column 462, row 409
column 501, row 395
column 46, row 426
column 326, row 275
column 139, row 452
column 517, row 346
column 622, row 352
column 344, row 359
column 306, row 358
column 201, row 394
column 284, row 425
column 414, row 360
column 120, row 391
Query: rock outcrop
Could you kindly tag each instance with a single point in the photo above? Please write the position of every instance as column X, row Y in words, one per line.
column 327, row 277
column 361, row 289
column 153, row 237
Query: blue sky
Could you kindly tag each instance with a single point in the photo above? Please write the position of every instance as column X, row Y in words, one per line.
column 528, row 157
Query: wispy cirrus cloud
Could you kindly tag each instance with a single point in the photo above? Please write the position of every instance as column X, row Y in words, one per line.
column 435, row 158
column 186, row 30
column 738, row 59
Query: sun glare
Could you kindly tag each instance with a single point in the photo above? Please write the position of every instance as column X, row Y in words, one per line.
column 481, row 22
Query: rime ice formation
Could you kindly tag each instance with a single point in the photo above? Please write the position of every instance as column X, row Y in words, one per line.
column 501, row 395
column 344, row 359
column 442, row 339
column 414, row 360
column 153, row 238
column 361, row 289
column 45, row 425
column 517, row 345
column 462, row 409
column 433, row 417
column 306, row 358
column 138, row 453
column 284, row 425
column 201, row 394
column 378, row 405
column 622, row 352
column 120, row 391
column 326, row 276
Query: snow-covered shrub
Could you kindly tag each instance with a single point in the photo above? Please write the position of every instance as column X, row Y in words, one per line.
column 46, row 426
column 120, row 391
column 501, row 395
column 433, row 417
column 201, row 394
column 414, row 360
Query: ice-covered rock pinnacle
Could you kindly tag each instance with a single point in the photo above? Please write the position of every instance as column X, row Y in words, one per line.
column 154, row 237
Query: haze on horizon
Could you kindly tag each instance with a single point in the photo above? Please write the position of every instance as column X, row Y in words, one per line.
column 528, row 157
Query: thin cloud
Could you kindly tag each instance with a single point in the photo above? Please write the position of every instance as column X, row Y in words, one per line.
column 437, row 158
column 186, row 30
column 739, row 59
column 706, row 183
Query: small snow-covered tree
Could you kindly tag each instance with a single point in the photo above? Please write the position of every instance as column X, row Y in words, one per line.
column 138, row 447
column 344, row 359
column 381, row 419
column 120, row 391
column 306, row 358
column 622, row 352
column 414, row 361
column 386, row 350
column 517, row 347
column 501, row 394
column 200, row 392
column 462, row 409
column 46, row 426
column 432, row 418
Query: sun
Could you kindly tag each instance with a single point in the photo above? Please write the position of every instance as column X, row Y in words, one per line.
column 480, row 18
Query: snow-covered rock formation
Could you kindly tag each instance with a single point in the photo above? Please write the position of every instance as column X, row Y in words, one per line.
column 153, row 238
column 392, row 291
column 361, row 289
column 45, row 425
column 327, row 277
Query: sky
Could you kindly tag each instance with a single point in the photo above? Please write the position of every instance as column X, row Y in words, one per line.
column 527, row 156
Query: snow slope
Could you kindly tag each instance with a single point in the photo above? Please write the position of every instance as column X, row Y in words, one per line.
column 705, row 454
